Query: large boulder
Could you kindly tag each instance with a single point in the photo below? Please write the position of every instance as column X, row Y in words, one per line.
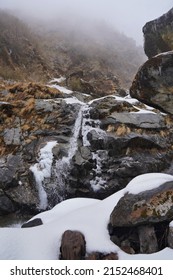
column 158, row 35
column 151, row 207
column 139, row 223
column 153, row 83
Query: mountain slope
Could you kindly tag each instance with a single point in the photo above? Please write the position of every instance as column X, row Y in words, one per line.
column 48, row 49
column 20, row 56
column 96, row 48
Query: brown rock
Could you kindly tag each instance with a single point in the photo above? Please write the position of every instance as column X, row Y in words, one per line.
column 72, row 245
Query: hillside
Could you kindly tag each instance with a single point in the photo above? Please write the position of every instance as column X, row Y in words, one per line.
column 47, row 49
column 93, row 47
column 20, row 55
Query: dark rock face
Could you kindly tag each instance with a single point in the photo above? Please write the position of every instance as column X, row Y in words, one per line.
column 6, row 205
column 147, row 239
column 72, row 246
column 126, row 143
column 153, row 84
column 158, row 35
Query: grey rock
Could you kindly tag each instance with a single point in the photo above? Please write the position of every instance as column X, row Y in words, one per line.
column 148, row 240
column 12, row 136
column 144, row 120
column 6, row 205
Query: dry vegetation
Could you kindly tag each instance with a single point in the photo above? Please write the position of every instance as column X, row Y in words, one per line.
column 20, row 55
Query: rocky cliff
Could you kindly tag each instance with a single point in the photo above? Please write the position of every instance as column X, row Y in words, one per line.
column 69, row 144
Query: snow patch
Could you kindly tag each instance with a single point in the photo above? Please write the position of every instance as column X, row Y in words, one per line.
column 146, row 182
column 58, row 80
column 73, row 100
column 62, row 89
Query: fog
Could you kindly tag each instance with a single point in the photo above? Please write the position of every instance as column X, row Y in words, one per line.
column 128, row 16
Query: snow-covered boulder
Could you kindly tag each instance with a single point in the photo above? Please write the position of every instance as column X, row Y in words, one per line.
column 152, row 203
column 140, row 219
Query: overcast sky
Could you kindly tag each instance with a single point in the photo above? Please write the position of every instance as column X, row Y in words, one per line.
column 129, row 16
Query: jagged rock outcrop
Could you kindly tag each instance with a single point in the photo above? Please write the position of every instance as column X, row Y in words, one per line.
column 98, row 146
column 153, row 83
column 29, row 118
column 142, row 220
column 123, row 143
column 158, row 35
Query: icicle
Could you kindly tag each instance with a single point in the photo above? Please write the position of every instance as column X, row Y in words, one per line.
column 42, row 170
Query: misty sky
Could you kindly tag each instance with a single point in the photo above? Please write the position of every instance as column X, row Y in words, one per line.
column 128, row 16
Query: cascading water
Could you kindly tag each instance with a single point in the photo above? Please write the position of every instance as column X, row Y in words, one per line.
column 62, row 167
column 88, row 125
column 52, row 178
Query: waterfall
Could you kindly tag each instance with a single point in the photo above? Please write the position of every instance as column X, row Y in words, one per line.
column 63, row 165
column 88, row 125
column 42, row 170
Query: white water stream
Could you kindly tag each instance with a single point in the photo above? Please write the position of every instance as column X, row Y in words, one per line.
column 63, row 165
column 44, row 169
